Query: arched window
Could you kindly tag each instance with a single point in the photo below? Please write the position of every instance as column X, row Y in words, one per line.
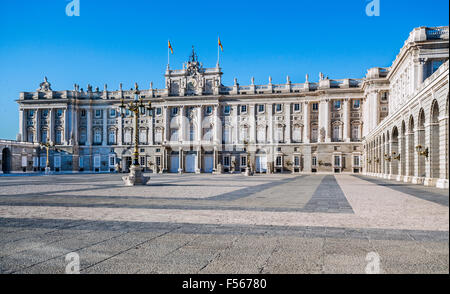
column 143, row 136
column 127, row 137
column 58, row 136
column 158, row 136
column 82, row 136
column 297, row 134
column 261, row 134
column 112, row 136
column 97, row 136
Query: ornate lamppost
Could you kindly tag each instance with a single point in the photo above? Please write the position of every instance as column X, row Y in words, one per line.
column 248, row 171
column 47, row 145
column 136, row 107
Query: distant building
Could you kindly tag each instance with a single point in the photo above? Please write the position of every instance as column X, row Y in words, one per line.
column 372, row 125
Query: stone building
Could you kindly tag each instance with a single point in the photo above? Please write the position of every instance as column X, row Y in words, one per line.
column 199, row 125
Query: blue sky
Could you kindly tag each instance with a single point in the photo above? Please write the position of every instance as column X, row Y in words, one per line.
column 126, row 41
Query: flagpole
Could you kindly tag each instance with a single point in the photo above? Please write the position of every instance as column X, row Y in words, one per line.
column 168, row 54
column 218, row 51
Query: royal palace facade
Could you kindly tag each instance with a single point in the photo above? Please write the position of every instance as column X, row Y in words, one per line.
column 393, row 123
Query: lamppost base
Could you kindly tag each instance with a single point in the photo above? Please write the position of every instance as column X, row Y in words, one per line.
column 135, row 177
column 47, row 171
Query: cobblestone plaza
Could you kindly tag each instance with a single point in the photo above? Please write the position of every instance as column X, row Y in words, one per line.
column 190, row 223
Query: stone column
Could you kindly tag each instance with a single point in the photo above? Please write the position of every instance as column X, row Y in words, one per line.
column 51, row 125
column 346, row 113
column 37, row 125
column 199, row 124
column 235, row 128
column 120, row 131
column 287, row 108
column 75, row 125
column 22, row 125
column 166, row 124
column 89, row 127
column 105, row 127
column 180, row 160
column 151, row 132
column 197, row 160
column 252, row 123
column 324, row 122
column 428, row 181
column 306, row 122
column 270, row 124
column 66, row 126
column 217, row 127
column 443, row 181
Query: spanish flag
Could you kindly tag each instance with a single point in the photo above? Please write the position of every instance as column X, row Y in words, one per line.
column 170, row 47
column 220, row 45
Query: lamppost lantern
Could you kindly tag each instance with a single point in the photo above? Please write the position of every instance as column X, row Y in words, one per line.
column 420, row 152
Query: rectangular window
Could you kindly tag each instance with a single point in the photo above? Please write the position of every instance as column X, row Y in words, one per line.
column 356, row 160
column 58, row 137
column 175, row 111
column 337, row 104
column 158, row 160
column 30, row 113
column 314, row 161
column 296, row 161
column 337, row 160
column 243, row 160
column 112, row 160
column 296, row 107
column 83, row 113
column 98, row 113
column 112, row 113
column 57, row 161
column 97, row 161
column 226, row 109
column 315, row 106
column 278, row 162
column 142, row 161
column 278, row 108
column 45, row 113
column 261, row 108
column 59, row 112
column 356, row 103
column 35, row 161
column 226, row 161
column 243, row 108
column 208, row 110
column 158, row 111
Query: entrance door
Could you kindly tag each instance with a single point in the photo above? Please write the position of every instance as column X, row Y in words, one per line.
column 126, row 168
column 190, row 163
column 261, row 164
column 6, row 160
column 208, row 168
column 174, row 163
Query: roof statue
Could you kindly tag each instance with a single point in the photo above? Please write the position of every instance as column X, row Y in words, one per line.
column 45, row 85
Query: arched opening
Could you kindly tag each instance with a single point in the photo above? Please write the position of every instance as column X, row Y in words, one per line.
column 403, row 150
column 434, row 140
column 411, row 150
column 6, row 161
column 421, row 142
column 394, row 151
